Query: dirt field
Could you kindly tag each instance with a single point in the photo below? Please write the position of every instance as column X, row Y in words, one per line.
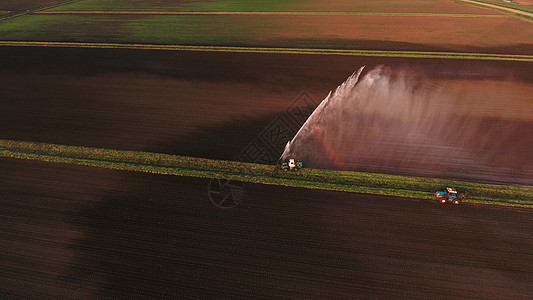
column 78, row 232
column 213, row 105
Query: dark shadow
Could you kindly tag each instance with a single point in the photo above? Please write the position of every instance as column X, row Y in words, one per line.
column 243, row 67
column 221, row 141
column 160, row 237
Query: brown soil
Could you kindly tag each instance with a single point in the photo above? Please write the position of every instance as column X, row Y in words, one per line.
column 392, row 6
column 386, row 32
column 79, row 232
column 213, row 105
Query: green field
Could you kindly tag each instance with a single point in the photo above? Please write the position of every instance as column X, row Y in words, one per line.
column 449, row 26
column 217, row 5
column 390, row 6
column 371, row 183
column 247, row 30
column 188, row 30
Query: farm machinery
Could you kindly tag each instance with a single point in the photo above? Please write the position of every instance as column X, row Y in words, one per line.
column 450, row 195
column 291, row 165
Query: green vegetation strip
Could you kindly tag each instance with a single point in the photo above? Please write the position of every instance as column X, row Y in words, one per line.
column 380, row 53
column 268, row 13
column 503, row 7
column 359, row 182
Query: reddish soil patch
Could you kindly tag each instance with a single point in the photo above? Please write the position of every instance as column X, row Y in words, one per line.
column 400, row 33
column 392, row 6
column 79, row 232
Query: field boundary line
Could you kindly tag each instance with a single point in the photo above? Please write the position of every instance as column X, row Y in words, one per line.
column 274, row 50
column 261, row 13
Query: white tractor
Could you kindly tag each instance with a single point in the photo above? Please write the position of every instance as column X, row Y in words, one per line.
column 292, row 165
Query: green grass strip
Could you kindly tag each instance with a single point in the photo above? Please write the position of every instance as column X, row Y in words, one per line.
column 502, row 7
column 510, row 5
column 358, row 182
column 378, row 53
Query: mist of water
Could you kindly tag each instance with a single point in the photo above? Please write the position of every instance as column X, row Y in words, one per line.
column 396, row 122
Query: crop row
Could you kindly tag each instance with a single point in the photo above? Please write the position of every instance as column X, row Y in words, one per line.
column 371, row 183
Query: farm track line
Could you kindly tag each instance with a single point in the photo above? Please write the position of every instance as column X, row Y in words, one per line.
column 500, row 8
column 273, row 50
column 262, row 13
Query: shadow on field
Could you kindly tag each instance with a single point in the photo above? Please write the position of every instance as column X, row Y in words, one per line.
column 295, row 71
column 161, row 237
column 221, row 141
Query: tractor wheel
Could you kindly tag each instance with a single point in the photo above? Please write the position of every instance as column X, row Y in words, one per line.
column 456, row 201
column 442, row 200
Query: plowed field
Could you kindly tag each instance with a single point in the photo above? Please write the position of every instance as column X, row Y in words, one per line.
column 88, row 233
column 78, row 232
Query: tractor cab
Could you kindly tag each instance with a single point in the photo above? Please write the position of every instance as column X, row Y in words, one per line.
column 452, row 192
column 449, row 195
column 292, row 164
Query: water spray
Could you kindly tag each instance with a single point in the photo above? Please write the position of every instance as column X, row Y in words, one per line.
column 398, row 122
